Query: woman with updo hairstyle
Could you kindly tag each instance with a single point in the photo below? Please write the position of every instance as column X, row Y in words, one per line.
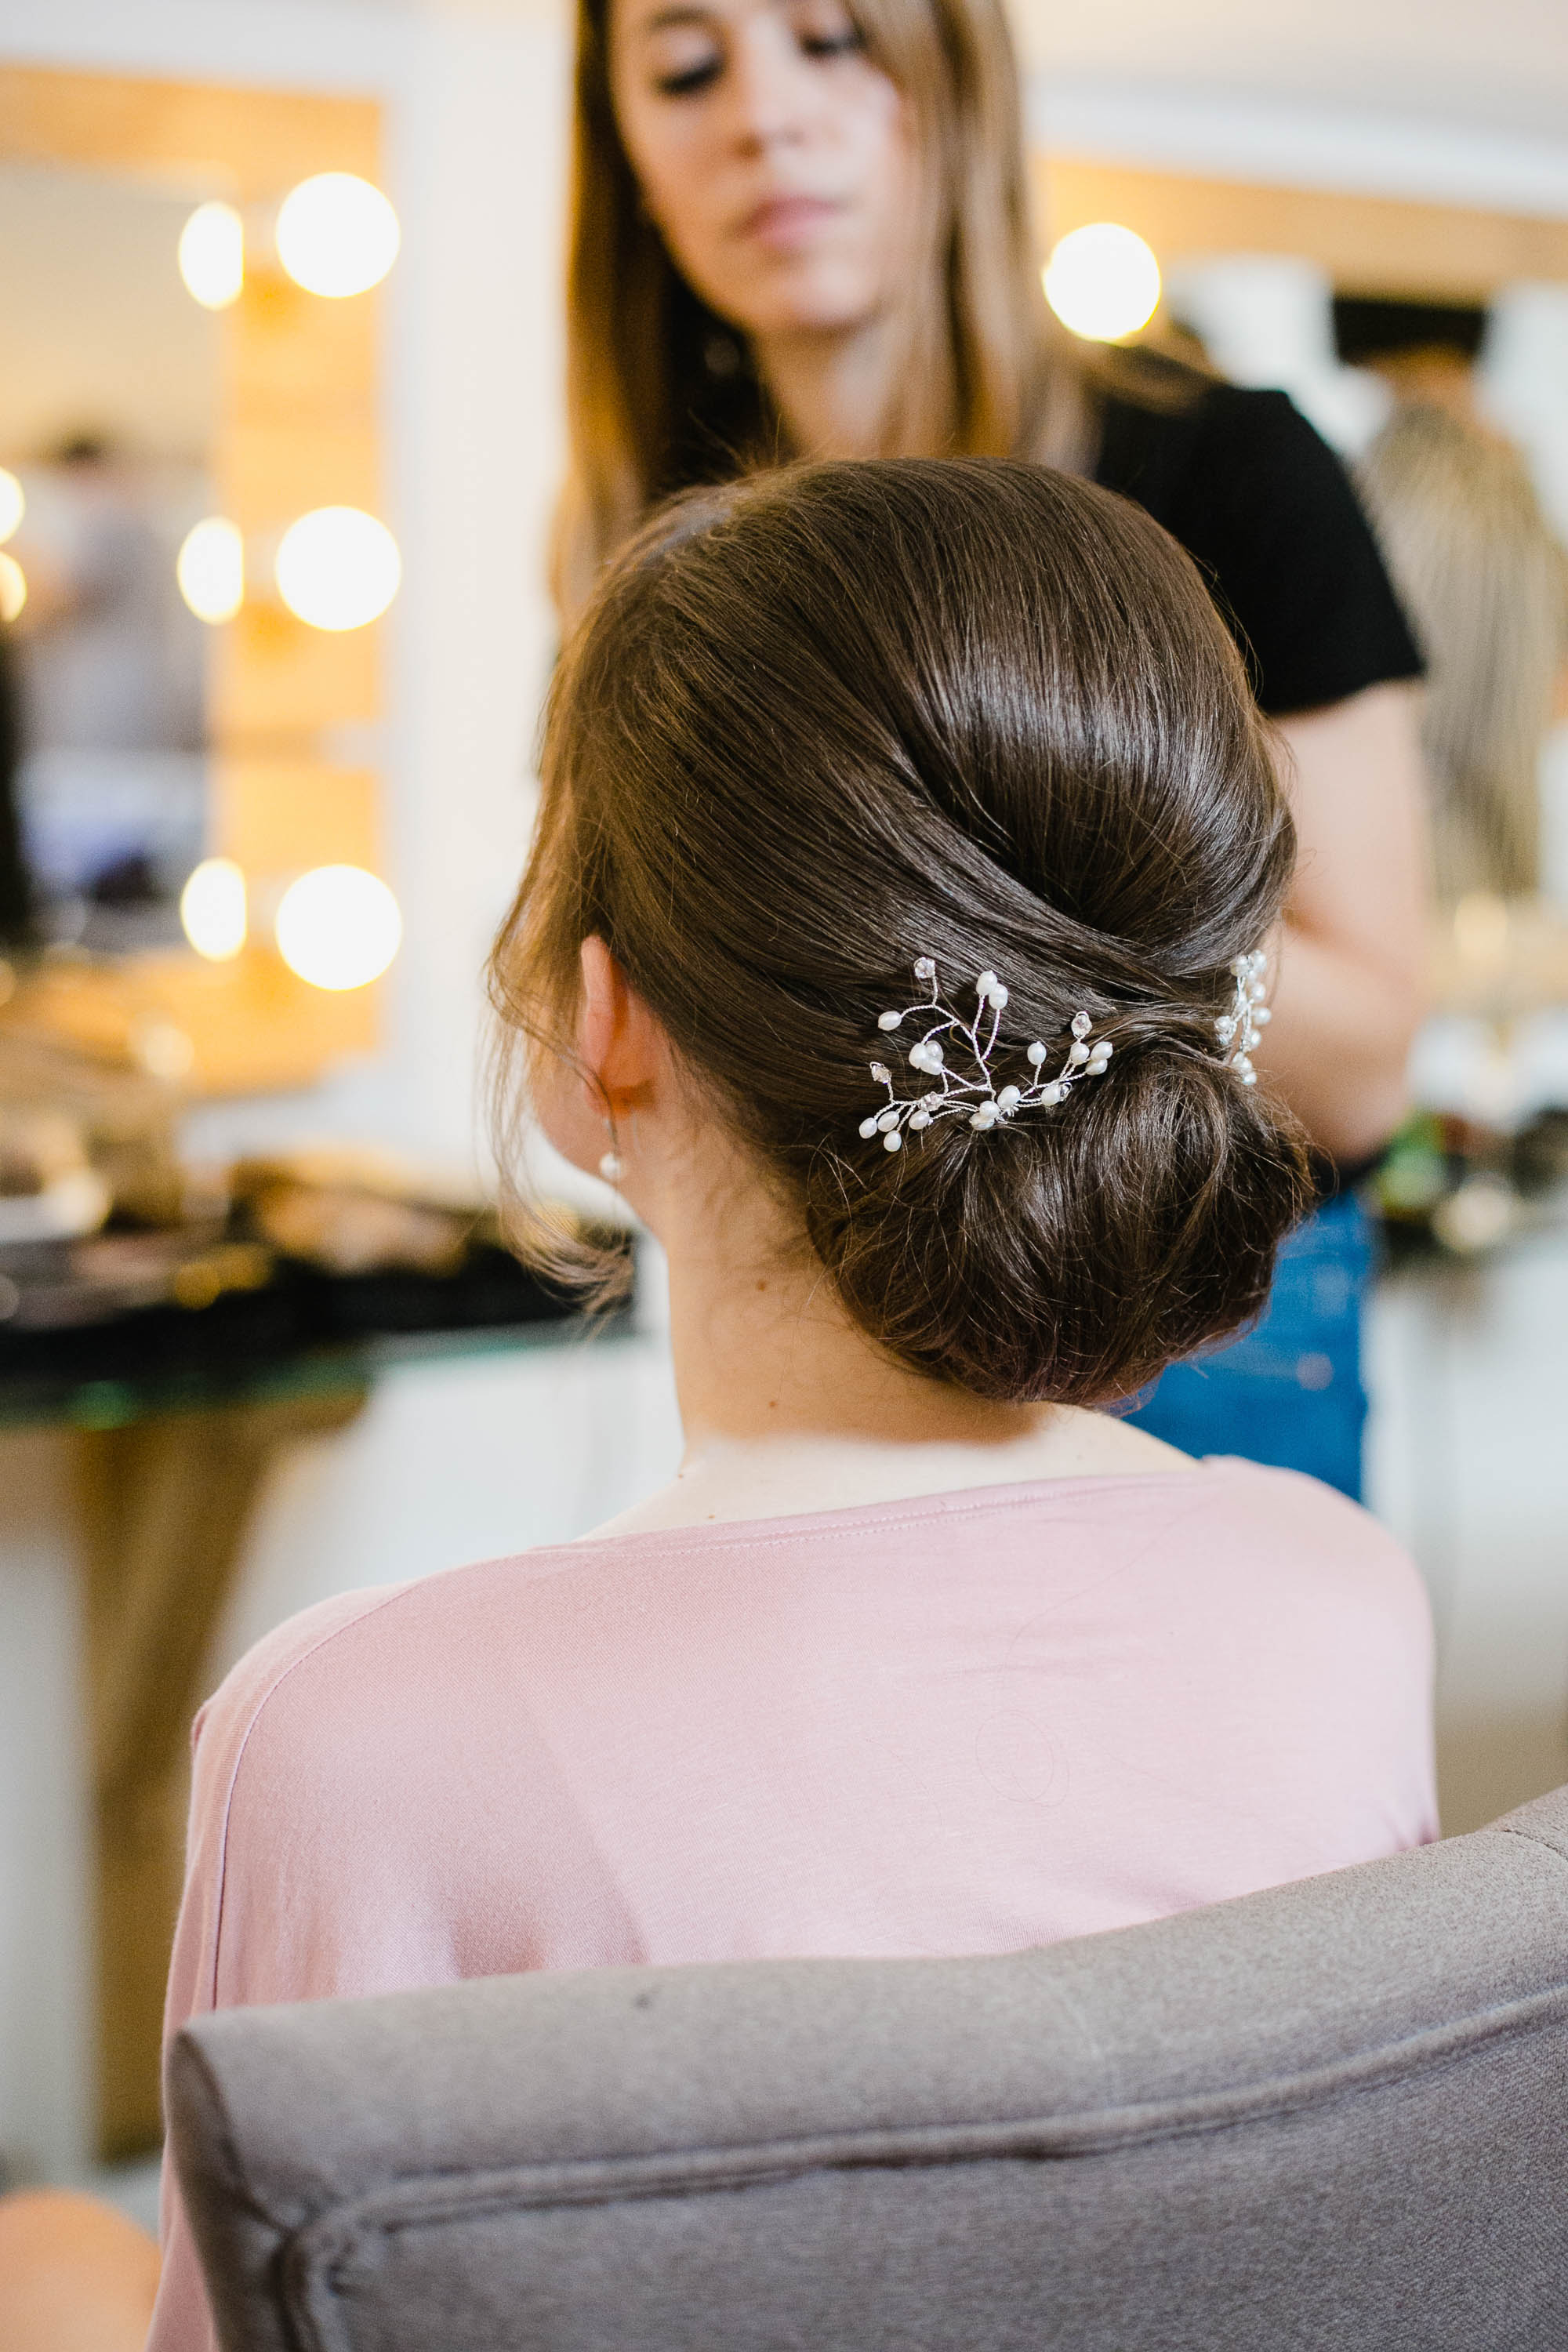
column 800, row 229
column 897, row 936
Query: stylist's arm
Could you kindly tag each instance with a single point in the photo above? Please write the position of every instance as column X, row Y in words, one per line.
column 1349, row 994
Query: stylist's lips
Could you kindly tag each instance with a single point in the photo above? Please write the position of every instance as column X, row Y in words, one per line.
column 784, row 224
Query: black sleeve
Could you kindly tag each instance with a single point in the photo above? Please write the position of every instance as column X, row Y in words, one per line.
column 1267, row 512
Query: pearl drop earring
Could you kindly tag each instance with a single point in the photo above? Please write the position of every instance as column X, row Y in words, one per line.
column 611, row 1167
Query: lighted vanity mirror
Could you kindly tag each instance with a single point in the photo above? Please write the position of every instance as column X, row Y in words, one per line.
column 193, row 565
column 108, row 410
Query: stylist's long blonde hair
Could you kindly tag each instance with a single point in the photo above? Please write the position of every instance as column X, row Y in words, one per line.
column 662, row 393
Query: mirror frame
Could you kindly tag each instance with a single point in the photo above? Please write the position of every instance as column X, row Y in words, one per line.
column 1368, row 244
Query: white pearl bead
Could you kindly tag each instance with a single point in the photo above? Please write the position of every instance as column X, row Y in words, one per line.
column 1053, row 1093
column 997, row 994
column 1037, row 1054
column 611, row 1167
column 1249, row 1078
column 919, row 1119
column 889, row 1118
column 986, row 983
column 1078, row 1051
column 1262, row 1015
column 867, row 1128
column 1008, row 1096
column 892, row 1141
column 889, row 1020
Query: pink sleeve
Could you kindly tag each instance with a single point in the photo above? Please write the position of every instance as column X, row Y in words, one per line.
column 181, row 2321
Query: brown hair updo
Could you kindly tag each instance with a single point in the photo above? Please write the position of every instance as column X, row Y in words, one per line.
column 819, row 724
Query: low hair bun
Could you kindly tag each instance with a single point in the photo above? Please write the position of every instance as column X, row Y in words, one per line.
column 1071, row 1254
column 823, row 723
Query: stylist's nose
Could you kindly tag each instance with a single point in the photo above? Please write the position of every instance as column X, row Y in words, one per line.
column 767, row 87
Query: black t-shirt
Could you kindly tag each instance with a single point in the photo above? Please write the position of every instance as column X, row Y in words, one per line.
column 1267, row 511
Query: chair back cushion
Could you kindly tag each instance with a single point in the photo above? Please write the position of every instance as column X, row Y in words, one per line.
column 1332, row 2116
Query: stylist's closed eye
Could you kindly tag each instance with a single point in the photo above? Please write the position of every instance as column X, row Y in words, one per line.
column 688, row 51
column 688, row 55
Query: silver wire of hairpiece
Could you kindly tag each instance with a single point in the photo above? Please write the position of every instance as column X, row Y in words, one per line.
column 1237, row 1029
column 971, row 1091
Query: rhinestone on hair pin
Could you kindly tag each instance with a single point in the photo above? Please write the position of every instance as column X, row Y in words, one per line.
column 965, row 1087
column 1237, row 1029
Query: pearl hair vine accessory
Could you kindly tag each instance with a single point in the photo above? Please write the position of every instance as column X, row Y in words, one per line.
column 1237, row 1029
column 971, row 1091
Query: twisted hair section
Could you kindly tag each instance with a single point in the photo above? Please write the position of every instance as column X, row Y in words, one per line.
column 819, row 724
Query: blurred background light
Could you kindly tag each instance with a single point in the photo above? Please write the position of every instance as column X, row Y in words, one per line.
column 13, row 587
column 1102, row 281
column 212, row 256
column 338, row 568
column 336, row 235
column 338, row 926
column 13, row 503
column 210, row 569
column 213, row 910
column 162, row 1047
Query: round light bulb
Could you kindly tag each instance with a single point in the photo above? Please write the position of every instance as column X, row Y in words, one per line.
column 13, row 503
column 13, row 587
column 212, row 256
column 338, row 568
column 213, row 910
column 1102, row 283
column 338, row 926
column 336, row 235
column 210, row 569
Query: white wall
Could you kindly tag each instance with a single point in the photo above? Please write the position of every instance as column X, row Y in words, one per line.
column 1448, row 64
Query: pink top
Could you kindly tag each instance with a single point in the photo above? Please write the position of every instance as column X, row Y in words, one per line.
column 963, row 1723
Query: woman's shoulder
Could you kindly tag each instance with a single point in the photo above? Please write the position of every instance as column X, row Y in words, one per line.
column 1266, row 507
column 1180, row 434
column 360, row 1657
column 1333, row 1553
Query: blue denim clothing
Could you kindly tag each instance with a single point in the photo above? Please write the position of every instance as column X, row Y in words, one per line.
column 1289, row 1392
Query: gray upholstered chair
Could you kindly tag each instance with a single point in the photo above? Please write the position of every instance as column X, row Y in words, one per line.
column 1333, row 2115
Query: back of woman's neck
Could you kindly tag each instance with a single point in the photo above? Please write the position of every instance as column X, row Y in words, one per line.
column 788, row 1407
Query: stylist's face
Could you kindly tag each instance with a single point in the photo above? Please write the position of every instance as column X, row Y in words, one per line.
column 774, row 157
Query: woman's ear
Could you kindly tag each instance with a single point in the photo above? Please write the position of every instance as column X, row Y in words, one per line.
column 620, row 1044
column 619, row 1054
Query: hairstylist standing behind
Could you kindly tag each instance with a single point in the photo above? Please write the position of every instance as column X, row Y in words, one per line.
column 802, row 230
